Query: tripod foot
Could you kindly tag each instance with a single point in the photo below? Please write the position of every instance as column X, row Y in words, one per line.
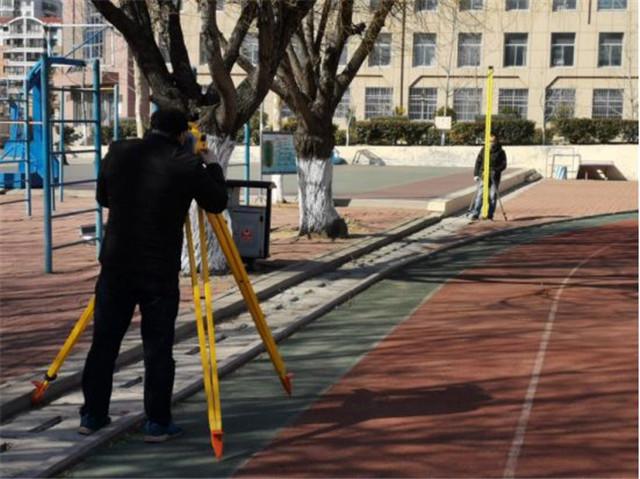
column 216, row 443
column 38, row 393
column 286, row 383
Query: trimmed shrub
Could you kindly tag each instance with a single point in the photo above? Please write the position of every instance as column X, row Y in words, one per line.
column 127, row 130
column 606, row 129
column 578, row 131
column 395, row 131
column 629, row 131
column 442, row 111
column 511, row 131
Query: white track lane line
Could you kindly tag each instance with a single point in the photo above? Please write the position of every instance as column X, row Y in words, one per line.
column 518, row 439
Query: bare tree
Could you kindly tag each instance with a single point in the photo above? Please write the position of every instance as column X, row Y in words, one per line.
column 310, row 84
column 221, row 106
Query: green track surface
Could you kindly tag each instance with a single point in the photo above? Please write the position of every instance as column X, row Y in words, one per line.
column 255, row 408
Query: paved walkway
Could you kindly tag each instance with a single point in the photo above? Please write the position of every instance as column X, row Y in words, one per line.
column 512, row 356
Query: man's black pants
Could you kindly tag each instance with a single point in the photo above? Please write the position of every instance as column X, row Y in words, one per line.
column 116, row 297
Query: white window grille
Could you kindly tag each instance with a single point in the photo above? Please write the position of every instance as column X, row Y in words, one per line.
column 560, row 101
column 378, row 102
column 612, row 4
column 381, row 53
column 563, row 5
column 607, row 103
column 513, row 100
column 469, row 46
column 610, row 50
column 422, row 103
column 517, row 5
column 515, row 49
column 467, row 103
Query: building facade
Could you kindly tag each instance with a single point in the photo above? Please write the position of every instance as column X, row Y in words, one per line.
column 550, row 57
column 27, row 29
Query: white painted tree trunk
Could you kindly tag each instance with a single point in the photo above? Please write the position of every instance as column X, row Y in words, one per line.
column 222, row 147
column 277, row 194
column 138, row 86
column 317, row 212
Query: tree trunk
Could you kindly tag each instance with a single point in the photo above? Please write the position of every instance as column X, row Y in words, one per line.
column 140, row 98
column 317, row 211
column 277, row 194
column 222, row 147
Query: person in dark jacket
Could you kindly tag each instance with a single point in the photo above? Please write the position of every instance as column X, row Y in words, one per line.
column 148, row 186
column 497, row 164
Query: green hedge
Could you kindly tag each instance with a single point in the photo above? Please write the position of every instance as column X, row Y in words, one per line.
column 582, row 131
column 395, row 131
column 510, row 131
column 127, row 130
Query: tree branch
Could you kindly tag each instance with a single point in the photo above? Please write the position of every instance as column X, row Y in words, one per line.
column 232, row 49
column 366, row 45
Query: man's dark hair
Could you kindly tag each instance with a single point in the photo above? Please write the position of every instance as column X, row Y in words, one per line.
column 169, row 121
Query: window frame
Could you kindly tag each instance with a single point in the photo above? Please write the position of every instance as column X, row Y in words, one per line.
column 471, row 5
column 425, row 5
column 513, row 101
column 378, row 50
column 427, row 104
column 426, row 47
column 557, row 6
column 461, row 115
column 478, row 46
column 368, row 114
column 518, row 47
column 612, row 7
column 516, row 7
column 563, row 46
column 610, row 47
column 548, row 115
column 608, row 106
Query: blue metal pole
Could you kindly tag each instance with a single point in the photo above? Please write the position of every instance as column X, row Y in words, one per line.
column 247, row 157
column 116, row 112
column 61, row 148
column 46, row 158
column 97, row 139
column 27, row 151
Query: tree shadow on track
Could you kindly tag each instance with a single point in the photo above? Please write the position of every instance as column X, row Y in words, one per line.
column 362, row 405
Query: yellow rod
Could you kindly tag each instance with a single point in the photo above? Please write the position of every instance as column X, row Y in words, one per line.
column 487, row 146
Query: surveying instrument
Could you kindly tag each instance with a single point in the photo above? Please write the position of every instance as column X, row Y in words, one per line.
column 204, row 325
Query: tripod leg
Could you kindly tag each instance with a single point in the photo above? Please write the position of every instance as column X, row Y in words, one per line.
column 242, row 279
column 52, row 372
column 202, row 343
column 216, row 430
column 504, row 214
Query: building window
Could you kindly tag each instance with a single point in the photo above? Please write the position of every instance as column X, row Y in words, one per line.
column 374, row 4
column 424, row 49
column 377, row 102
column 612, row 4
column 610, row 50
column 559, row 102
column 517, row 5
column 467, row 103
column 381, row 53
column 219, row 4
column 422, row 103
column 92, row 36
column 422, row 5
column 513, row 100
column 469, row 45
column 515, row 49
column 563, row 5
column 607, row 103
column 345, row 103
column 562, row 47
column 250, row 48
column 471, row 4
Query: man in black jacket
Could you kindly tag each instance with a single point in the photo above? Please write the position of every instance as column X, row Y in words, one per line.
column 147, row 185
column 497, row 164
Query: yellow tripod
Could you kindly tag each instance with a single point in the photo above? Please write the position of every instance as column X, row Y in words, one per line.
column 205, row 327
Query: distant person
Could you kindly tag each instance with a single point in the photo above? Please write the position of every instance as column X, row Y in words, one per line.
column 148, row 186
column 497, row 164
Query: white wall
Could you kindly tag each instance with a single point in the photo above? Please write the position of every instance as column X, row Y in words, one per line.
column 540, row 158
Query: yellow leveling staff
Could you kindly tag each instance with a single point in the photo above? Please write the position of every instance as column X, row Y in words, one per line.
column 487, row 146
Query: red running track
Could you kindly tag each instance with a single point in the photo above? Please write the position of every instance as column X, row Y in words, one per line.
column 525, row 366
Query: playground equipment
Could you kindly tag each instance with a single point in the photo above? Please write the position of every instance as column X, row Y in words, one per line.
column 40, row 162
